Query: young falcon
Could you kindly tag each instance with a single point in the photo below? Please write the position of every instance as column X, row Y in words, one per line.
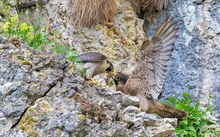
column 94, row 63
column 147, row 79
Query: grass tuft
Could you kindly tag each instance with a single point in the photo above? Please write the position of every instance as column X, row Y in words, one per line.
column 91, row 12
column 194, row 124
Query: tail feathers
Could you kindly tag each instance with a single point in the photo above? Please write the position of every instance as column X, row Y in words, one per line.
column 167, row 111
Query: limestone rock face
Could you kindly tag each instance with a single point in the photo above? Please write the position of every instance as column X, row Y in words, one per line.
column 194, row 64
column 29, row 3
column 194, row 67
column 119, row 40
column 42, row 96
column 25, row 76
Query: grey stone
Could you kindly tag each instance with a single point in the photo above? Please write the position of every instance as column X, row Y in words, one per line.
column 194, row 67
column 52, row 102
column 46, row 99
column 165, row 130
column 20, row 86
column 29, row 3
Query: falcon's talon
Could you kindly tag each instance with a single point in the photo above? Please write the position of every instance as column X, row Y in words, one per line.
column 93, row 81
column 140, row 109
column 96, row 83
column 99, row 84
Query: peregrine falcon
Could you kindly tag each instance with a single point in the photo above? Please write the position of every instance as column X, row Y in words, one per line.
column 94, row 63
column 147, row 79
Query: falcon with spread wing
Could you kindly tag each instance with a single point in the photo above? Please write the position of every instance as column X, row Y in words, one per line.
column 147, row 79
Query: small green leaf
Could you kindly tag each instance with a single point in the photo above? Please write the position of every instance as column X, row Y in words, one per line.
column 185, row 95
column 192, row 125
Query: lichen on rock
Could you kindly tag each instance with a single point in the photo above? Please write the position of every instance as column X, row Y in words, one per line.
column 41, row 96
column 46, row 98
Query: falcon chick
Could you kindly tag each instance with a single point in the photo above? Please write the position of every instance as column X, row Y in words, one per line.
column 94, row 63
column 147, row 79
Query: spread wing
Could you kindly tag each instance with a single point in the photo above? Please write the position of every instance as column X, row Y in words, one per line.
column 91, row 57
column 156, row 54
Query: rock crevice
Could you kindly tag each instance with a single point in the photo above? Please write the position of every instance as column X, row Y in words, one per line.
column 53, row 100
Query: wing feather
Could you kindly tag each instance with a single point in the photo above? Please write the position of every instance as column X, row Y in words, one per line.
column 156, row 56
column 91, row 57
column 170, row 36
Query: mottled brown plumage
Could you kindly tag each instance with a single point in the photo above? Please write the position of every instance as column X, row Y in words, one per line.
column 94, row 63
column 156, row 52
column 147, row 79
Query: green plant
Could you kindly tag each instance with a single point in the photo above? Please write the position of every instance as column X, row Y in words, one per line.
column 60, row 49
column 193, row 124
column 70, row 55
column 32, row 35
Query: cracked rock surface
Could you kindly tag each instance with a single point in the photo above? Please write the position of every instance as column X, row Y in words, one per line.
column 119, row 40
column 41, row 97
column 25, row 76
column 194, row 67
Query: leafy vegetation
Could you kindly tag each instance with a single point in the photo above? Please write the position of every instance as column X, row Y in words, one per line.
column 23, row 31
column 35, row 36
column 69, row 53
column 194, row 124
